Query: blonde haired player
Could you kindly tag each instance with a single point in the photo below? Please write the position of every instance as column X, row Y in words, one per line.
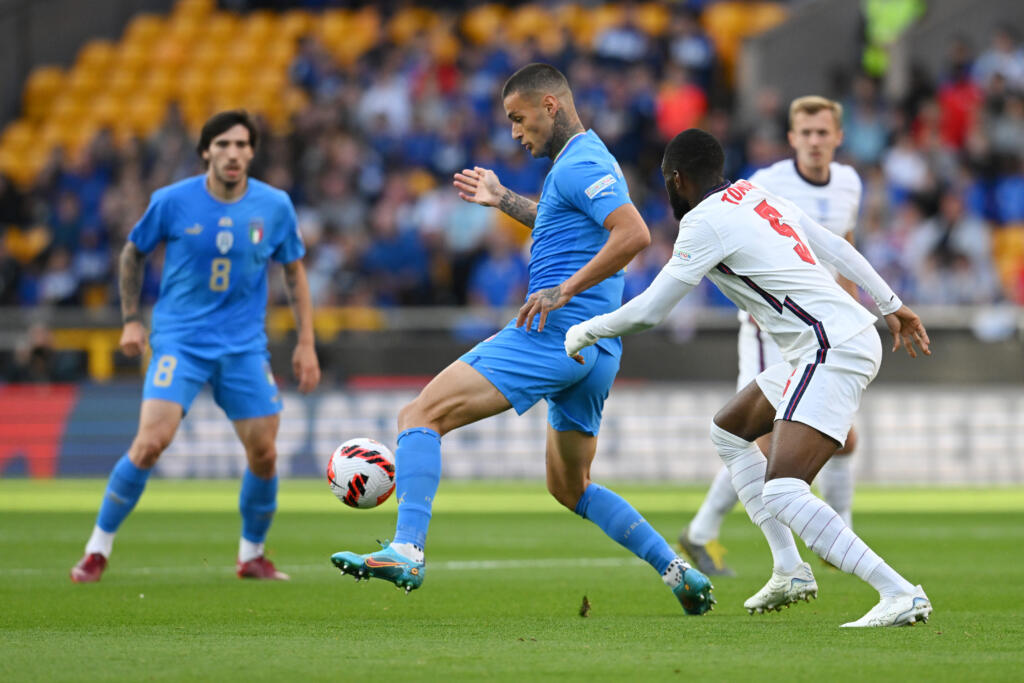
column 829, row 192
column 765, row 254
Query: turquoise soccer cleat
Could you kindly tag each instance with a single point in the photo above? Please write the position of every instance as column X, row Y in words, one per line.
column 694, row 592
column 386, row 564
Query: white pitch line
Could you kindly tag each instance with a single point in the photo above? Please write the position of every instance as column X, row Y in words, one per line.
column 450, row 565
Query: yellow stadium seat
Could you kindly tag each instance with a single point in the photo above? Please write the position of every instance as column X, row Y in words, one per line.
column 98, row 54
column 194, row 9
column 259, row 25
column 222, row 27
column 727, row 23
column 653, row 18
column 41, row 88
column 207, row 55
column 409, row 22
column 169, row 53
column 18, row 136
column 123, row 83
column 528, row 21
column 294, row 23
column 483, row 22
column 144, row 29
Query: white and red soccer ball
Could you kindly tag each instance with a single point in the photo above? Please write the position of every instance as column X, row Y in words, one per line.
column 361, row 473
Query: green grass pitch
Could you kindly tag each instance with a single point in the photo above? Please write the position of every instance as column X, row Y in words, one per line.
column 507, row 571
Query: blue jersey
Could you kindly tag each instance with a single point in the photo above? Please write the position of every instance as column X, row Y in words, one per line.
column 213, row 294
column 584, row 185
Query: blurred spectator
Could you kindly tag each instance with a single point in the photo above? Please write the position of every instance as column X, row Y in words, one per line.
column 36, row 360
column 1004, row 58
column 500, row 278
column 959, row 97
column 691, row 48
column 680, row 103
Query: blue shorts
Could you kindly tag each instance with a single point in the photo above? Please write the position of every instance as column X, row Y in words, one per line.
column 242, row 383
column 528, row 366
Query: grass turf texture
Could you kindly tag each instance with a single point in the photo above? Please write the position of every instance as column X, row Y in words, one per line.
column 507, row 571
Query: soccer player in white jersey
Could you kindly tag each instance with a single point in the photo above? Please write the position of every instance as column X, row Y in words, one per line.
column 766, row 255
column 829, row 192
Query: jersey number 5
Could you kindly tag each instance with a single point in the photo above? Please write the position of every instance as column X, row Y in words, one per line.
column 220, row 271
column 774, row 218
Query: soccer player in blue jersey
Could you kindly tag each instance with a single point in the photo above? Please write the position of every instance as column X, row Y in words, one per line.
column 221, row 229
column 585, row 231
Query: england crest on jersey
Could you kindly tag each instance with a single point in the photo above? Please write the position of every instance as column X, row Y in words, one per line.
column 256, row 230
column 225, row 240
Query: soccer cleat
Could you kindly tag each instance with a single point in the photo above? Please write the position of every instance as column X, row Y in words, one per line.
column 707, row 557
column 259, row 568
column 783, row 589
column 89, row 569
column 692, row 588
column 386, row 563
column 901, row 610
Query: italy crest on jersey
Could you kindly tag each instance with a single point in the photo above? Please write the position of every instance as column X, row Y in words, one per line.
column 225, row 240
column 256, row 230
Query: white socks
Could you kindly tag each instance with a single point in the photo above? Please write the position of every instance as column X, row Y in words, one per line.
column 747, row 465
column 409, row 550
column 673, row 574
column 101, row 542
column 247, row 550
column 791, row 502
column 720, row 498
column 836, row 483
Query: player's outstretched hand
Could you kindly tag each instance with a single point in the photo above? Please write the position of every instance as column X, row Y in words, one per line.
column 541, row 302
column 133, row 339
column 479, row 185
column 306, row 367
column 578, row 338
column 907, row 329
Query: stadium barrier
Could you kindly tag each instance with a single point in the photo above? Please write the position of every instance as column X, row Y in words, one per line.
column 948, row 434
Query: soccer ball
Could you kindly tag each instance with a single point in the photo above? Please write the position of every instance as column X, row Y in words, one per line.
column 361, row 473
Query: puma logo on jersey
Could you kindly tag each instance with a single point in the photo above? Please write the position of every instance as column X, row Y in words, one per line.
column 606, row 181
column 194, row 230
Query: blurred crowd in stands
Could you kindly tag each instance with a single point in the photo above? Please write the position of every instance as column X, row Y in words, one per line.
column 368, row 164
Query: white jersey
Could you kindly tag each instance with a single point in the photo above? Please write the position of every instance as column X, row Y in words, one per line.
column 754, row 246
column 834, row 204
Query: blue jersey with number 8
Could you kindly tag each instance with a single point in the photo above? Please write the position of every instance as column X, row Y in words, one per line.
column 213, row 293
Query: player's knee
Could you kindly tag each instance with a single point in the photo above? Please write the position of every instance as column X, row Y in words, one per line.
column 417, row 413
column 147, row 447
column 567, row 496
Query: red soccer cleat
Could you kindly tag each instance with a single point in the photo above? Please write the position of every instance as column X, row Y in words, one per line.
column 89, row 569
column 260, row 568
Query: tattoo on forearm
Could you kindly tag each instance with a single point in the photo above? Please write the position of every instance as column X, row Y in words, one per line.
column 519, row 207
column 291, row 283
column 130, row 279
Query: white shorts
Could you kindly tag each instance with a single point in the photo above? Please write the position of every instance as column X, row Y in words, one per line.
column 757, row 352
column 823, row 389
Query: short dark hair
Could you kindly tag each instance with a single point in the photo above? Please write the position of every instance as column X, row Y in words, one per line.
column 536, row 77
column 696, row 154
column 224, row 121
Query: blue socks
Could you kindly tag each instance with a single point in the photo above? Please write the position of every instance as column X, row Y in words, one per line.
column 417, row 475
column 625, row 525
column 257, row 502
column 124, row 487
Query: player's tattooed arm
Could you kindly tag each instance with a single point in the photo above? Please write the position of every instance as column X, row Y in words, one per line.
column 481, row 186
column 519, row 207
column 304, row 360
column 132, row 262
column 129, row 282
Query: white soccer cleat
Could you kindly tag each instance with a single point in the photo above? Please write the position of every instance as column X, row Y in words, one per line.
column 783, row 589
column 901, row 610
